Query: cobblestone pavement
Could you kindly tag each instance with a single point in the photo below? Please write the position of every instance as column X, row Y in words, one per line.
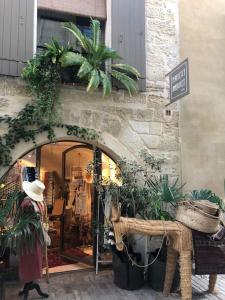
column 85, row 285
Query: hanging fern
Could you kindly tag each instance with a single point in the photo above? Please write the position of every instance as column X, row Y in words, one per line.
column 42, row 78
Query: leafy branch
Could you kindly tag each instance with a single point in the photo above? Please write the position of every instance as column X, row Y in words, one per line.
column 18, row 228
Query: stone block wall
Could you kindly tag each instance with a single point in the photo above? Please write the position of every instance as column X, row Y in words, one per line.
column 126, row 124
column 162, row 43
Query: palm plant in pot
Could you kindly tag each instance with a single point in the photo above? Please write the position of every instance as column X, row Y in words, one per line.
column 93, row 60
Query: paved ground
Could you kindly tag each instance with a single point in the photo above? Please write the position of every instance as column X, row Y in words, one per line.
column 85, row 285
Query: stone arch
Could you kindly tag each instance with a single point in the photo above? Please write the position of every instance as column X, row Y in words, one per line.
column 108, row 143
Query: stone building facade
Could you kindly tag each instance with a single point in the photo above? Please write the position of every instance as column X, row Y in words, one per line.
column 202, row 122
column 126, row 124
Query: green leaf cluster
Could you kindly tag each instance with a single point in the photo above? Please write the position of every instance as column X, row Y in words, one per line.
column 42, row 78
column 93, row 59
column 25, row 127
column 144, row 190
column 18, row 228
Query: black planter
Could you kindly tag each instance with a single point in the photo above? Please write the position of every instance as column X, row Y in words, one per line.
column 156, row 275
column 126, row 276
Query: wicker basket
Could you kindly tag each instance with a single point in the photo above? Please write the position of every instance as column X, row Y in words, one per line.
column 207, row 206
column 195, row 218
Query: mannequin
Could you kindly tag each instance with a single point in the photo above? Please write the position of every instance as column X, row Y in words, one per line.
column 30, row 260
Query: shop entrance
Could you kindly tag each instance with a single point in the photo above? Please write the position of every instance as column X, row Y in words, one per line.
column 77, row 235
column 72, row 199
column 74, row 211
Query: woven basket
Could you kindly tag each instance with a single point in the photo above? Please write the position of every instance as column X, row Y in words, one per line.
column 207, row 206
column 195, row 218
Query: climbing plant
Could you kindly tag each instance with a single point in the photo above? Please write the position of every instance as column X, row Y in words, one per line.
column 25, row 127
column 42, row 75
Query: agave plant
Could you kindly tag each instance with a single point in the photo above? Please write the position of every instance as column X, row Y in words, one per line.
column 93, row 59
column 18, row 228
column 168, row 192
column 205, row 194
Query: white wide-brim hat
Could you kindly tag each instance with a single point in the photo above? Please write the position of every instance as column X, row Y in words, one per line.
column 34, row 190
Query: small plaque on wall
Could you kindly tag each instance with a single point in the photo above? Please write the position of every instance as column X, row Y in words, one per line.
column 179, row 81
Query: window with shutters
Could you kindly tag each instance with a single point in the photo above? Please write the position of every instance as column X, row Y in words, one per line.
column 51, row 26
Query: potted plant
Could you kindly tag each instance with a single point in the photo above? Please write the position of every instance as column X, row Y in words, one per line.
column 145, row 193
column 131, row 194
column 15, row 231
column 92, row 60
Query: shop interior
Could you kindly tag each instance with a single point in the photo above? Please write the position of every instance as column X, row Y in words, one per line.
column 64, row 167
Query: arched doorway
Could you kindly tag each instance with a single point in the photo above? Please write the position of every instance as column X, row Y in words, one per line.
column 71, row 198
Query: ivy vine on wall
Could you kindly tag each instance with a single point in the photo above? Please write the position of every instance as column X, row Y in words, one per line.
column 43, row 74
column 42, row 77
column 25, row 127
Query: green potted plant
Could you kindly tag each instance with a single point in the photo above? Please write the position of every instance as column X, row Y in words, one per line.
column 92, row 61
column 131, row 194
column 146, row 193
column 17, row 230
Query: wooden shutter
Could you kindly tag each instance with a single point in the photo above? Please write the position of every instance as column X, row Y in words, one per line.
column 128, row 33
column 17, row 21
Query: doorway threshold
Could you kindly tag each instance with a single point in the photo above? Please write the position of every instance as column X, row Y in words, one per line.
column 68, row 268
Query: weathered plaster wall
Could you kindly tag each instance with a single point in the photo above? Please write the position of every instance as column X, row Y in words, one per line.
column 162, row 43
column 202, row 39
column 127, row 125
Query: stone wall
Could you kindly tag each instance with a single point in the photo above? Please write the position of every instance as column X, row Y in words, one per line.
column 127, row 124
column 162, row 43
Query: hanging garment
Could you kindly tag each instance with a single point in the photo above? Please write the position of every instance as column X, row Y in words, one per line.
column 30, row 260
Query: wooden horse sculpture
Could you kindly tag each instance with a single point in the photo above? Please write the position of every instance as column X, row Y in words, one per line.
column 179, row 243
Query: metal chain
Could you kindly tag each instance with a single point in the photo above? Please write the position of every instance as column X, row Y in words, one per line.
column 154, row 260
